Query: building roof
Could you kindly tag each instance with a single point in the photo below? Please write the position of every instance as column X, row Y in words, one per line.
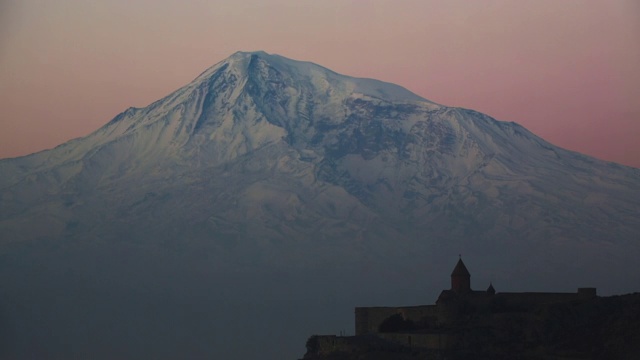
column 491, row 289
column 460, row 269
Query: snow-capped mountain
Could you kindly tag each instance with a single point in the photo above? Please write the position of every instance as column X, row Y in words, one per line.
column 267, row 178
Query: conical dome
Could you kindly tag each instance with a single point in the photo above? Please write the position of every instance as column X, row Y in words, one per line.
column 490, row 289
column 460, row 269
column 460, row 278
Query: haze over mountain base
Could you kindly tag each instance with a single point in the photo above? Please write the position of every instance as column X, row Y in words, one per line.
column 240, row 213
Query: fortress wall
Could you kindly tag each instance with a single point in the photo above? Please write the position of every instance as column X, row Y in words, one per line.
column 368, row 319
column 527, row 299
column 327, row 344
column 425, row 341
column 418, row 313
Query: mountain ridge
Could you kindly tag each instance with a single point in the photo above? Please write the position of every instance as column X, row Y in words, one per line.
column 413, row 162
column 269, row 178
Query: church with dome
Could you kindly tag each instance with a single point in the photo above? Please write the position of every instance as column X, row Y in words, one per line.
column 456, row 304
column 457, row 313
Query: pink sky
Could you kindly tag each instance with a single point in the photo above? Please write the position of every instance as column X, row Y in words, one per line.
column 567, row 70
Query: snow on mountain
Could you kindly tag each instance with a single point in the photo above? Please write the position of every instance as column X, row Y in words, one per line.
column 273, row 184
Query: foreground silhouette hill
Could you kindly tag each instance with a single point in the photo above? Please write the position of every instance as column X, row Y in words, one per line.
column 598, row 328
column 485, row 324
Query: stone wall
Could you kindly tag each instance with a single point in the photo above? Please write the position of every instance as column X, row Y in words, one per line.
column 418, row 313
column 368, row 319
column 526, row 300
column 435, row 341
column 328, row 344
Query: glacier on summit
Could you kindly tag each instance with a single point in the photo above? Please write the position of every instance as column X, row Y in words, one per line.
column 269, row 188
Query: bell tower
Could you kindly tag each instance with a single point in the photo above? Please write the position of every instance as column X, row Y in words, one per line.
column 460, row 278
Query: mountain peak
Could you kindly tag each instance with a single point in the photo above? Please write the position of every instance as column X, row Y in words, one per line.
column 238, row 61
column 243, row 54
column 265, row 166
column 262, row 66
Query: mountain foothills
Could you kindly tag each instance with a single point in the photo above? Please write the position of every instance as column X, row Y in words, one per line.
column 248, row 205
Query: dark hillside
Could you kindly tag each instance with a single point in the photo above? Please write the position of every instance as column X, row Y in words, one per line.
column 599, row 328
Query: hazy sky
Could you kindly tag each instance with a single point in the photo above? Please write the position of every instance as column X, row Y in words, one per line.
column 567, row 70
